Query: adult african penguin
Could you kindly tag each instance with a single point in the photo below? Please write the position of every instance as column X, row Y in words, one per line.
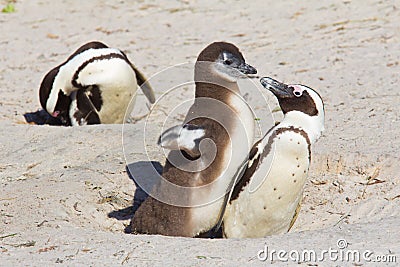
column 94, row 85
column 266, row 200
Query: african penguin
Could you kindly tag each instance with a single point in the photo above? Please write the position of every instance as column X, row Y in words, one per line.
column 94, row 85
column 206, row 150
column 266, row 200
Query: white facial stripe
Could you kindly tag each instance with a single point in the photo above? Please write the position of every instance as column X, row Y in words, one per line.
column 72, row 109
column 313, row 125
column 314, row 95
column 224, row 56
column 52, row 101
column 320, row 107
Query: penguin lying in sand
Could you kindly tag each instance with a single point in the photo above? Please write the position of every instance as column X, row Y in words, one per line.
column 205, row 152
column 94, row 85
column 266, row 200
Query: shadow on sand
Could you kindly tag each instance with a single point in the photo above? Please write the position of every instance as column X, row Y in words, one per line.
column 145, row 172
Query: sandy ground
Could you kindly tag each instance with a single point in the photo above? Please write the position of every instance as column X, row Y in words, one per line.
column 65, row 194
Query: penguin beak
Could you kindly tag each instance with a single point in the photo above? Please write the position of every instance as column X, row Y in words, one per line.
column 279, row 89
column 246, row 69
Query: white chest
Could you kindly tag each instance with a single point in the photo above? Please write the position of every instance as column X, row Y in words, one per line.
column 268, row 202
column 117, row 102
column 117, row 83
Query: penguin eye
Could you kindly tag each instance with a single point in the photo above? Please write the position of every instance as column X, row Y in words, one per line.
column 295, row 92
column 228, row 62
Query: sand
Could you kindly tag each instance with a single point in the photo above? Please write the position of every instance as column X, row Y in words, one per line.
column 65, row 194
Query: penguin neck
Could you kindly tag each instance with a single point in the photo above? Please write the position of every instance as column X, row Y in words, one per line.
column 312, row 125
column 211, row 85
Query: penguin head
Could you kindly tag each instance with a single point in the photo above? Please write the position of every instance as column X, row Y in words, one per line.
column 226, row 61
column 58, row 106
column 300, row 104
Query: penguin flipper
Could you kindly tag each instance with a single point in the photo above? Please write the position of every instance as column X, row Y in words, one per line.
column 186, row 137
column 296, row 214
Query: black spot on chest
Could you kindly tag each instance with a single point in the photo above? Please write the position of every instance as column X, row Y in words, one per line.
column 257, row 158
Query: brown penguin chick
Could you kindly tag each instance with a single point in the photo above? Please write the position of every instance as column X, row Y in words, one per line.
column 205, row 152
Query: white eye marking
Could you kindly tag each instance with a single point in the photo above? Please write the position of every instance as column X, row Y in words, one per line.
column 224, row 56
column 297, row 90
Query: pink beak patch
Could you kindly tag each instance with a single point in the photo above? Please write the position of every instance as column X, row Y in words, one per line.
column 55, row 114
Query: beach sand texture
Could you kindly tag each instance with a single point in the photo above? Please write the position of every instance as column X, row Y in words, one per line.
column 62, row 189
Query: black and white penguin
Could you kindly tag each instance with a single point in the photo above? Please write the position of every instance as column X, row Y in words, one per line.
column 94, row 85
column 206, row 150
column 267, row 198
